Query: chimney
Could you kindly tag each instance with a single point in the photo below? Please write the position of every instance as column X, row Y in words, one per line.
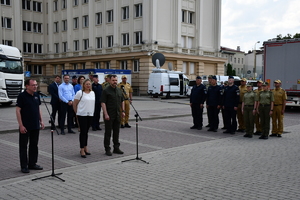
column 238, row 48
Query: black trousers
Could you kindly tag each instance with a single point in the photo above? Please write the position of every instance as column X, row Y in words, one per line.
column 56, row 109
column 230, row 119
column 84, row 124
column 65, row 108
column 197, row 114
column 112, row 125
column 213, row 116
column 96, row 118
column 33, row 137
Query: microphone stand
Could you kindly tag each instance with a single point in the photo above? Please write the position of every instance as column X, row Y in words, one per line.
column 52, row 145
column 137, row 117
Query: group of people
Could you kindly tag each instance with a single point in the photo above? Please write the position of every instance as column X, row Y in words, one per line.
column 82, row 98
column 241, row 107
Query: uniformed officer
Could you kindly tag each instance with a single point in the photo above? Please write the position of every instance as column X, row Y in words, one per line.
column 213, row 104
column 279, row 108
column 249, row 109
column 97, row 88
column 207, row 85
column 107, row 81
column 243, row 90
column 222, row 110
column 197, row 99
column 257, row 120
column 265, row 109
column 230, row 105
column 127, row 93
column 91, row 75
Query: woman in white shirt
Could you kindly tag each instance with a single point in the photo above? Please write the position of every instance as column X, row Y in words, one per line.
column 84, row 103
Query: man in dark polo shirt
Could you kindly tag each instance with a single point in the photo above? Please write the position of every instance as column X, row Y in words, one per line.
column 30, row 120
column 112, row 100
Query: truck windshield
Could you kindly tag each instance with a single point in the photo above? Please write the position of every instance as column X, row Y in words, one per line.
column 11, row 66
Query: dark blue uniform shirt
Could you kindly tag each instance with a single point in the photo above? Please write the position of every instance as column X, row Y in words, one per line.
column 214, row 96
column 231, row 96
column 198, row 94
column 97, row 88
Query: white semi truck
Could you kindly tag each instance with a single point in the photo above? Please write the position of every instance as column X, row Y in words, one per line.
column 282, row 61
column 11, row 74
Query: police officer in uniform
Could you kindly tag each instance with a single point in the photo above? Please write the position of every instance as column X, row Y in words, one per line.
column 257, row 120
column 279, row 108
column 249, row 109
column 197, row 98
column 265, row 109
column 243, row 90
column 207, row 85
column 213, row 104
column 222, row 110
column 97, row 88
column 230, row 105
column 127, row 93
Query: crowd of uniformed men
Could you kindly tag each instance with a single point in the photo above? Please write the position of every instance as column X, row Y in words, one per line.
column 241, row 107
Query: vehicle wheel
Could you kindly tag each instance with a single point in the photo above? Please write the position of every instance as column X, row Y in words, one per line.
column 6, row 103
column 168, row 96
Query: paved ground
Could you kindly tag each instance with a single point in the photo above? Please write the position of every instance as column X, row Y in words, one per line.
column 183, row 163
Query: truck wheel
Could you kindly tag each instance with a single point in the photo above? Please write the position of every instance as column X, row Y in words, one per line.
column 6, row 103
column 168, row 96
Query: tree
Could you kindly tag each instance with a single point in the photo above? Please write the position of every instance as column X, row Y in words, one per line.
column 229, row 71
column 288, row 36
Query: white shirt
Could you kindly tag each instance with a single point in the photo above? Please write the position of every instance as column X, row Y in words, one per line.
column 86, row 104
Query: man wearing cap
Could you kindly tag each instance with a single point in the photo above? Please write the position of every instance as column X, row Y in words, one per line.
column 279, row 108
column 243, row 90
column 106, row 82
column 74, row 81
column 265, row 109
column 127, row 93
column 197, row 98
column 213, row 104
column 97, row 88
column 257, row 120
column 91, row 75
column 230, row 105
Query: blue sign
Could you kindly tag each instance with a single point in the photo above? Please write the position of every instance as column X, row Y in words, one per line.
column 27, row 74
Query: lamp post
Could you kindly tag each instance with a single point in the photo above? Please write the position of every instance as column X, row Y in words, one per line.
column 254, row 54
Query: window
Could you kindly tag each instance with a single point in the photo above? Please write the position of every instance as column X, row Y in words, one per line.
column 37, row 27
column 242, row 60
column 37, row 48
column 64, row 46
column 7, row 42
column 125, row 12
column 56, row 48
column 75, row 66
column 85, row 21
column 190, row 17
column 55, row 69
column 28, row 68
column 183, row 45
column 37, row 6
column 184, row 67
column 174, row 81
column 192, row 68
column 76, row 45
column 27, row 47
column 55, row 5
column 55, row 27
column 183, row 13
column 136, row 65
column 64, row 25
column 99, row 42
column 85, row 1
column 125, row 39
column 107, row 64
column 110, row 41
column 187, row 16
column 75, row 22
column 99, row 18
column 138, row 10
column 83, row 65
column 5, row 2
column 238, row 60
column 234, row 60
column 26, row 26
column 190, row 42
column 63, row 4
column 75, row 2
column 6, row 22
column 26, row 4
column 97, row 65
column 138, row 37
column 110, row 16
column 85, row 44
column 123, row 64
column 38, row 69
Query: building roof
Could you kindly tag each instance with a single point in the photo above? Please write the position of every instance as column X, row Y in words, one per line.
column 230, row 51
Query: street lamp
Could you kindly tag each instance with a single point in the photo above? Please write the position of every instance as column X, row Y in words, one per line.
column 254, row 53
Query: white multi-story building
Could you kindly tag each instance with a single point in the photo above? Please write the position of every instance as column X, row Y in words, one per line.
column 117, row 34
column 236, row 58
column 249, row 65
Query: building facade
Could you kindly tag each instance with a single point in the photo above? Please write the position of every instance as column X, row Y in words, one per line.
column 236, row 58
column 249, row 64
column 114, row 34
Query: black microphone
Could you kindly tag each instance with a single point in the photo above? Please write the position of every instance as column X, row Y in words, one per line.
column 122, row 86
column 41, row 94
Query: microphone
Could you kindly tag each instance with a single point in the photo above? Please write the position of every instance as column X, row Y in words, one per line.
column 122, row 86
column 41, row 94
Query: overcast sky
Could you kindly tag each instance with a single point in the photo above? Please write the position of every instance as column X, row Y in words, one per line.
column 244, row 22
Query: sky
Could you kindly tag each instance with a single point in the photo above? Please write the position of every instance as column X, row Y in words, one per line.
column 244, row 22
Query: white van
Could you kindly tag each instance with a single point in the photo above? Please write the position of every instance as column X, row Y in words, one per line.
column 167, row 83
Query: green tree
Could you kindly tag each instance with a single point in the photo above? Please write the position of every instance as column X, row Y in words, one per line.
column 288, row 36
column 229, row 71
column 233, row 73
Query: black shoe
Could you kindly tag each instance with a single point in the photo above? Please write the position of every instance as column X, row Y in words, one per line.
column 210, row 129
column 35, row 167
column 118, row 151
column 25, row 170
column 193, row 127
column 240, row 130
column 273, row 135
column 224, row 128
column 122, row 126
column 248, row 136
column 199, row 128
column 232, row 133
column 94, row 129
column 257, row 133
column 98, row 128
column 263, row 137
column 71, row 131
column 87, row 153
column 62, row 132
column 207, row 125
column 227, row 131
column 127, row 125
column 279, row 135
column 83, row 156
column 108, row 153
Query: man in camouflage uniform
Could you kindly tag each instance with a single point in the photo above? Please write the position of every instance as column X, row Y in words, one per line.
column 127, row 93
column 257, row 120
column 243, row 90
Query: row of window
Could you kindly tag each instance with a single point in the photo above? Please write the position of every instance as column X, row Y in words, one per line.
column 5, row 2
column 36, row 6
